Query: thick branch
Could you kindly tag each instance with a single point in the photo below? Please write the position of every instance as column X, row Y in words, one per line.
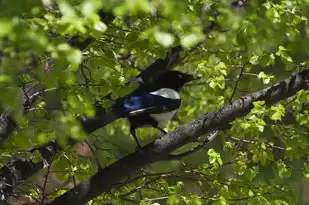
column 11, row 177
column 7, row 124
column 20, row 169
column 14, row 175
column 187, row 153
column 112, row 175
column 161, row 65
column 202, row 144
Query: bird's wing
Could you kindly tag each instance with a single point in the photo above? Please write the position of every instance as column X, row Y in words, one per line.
column 146, row 104
column 92, row 124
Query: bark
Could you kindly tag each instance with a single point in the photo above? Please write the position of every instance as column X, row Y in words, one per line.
column 112, row 176
column 12, row 174
column 20, row 169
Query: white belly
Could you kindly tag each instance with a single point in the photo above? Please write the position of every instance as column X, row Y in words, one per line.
column 167, row 93
column 163, row 117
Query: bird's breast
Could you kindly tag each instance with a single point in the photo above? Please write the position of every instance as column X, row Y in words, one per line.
column 163, row 117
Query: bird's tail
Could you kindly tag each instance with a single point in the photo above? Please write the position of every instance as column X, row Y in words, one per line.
column 92, row 124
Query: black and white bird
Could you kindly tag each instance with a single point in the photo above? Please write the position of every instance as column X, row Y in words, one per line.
column 150, row 105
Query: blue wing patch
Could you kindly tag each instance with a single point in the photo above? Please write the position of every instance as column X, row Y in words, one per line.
column 138, row 102
column 145, row 104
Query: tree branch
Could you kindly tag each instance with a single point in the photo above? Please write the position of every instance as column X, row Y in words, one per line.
column 207, row 140
column 7, row 123
column 110, row 176
column 20, row 169
column 12, row 176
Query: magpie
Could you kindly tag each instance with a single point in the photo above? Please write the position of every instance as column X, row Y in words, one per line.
column 150, row 104
column 154, row 104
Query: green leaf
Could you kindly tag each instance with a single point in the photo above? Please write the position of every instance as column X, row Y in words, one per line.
column 137, row 6
column 191, row 40
column 173, row 200
column 165, row 39
column 280, row 202
column 100, row 26
column 254, row 60
column 268, row 60
column 266, row 78
column 66, row 9
column 278, row 112
column 282, row 169
column 75, row 56
column 5, row 79
column 88, row 8
column 259, row 107
column 251, row 173
column 5, row 27
column 214, row 158
column 250, row 193
column 282, row 52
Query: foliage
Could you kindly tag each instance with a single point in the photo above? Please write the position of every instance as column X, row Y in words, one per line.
column 260, row 159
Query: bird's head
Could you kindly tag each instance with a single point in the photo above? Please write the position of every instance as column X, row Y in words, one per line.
column 174, row 79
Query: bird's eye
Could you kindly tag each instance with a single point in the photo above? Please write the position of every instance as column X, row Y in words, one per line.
column 180, row 76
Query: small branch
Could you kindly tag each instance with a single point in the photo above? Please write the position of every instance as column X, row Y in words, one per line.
column 290, row 101
column 71, row 165
column 207, row 140
column 141, row 186
column 132, row 179
column 45, row 183
column 43, row 108
column 156, row 199
column 161, row 148
column 237, row 83
column 94, row 155
column 84, row 75
column 129, row 200
column 255, row 142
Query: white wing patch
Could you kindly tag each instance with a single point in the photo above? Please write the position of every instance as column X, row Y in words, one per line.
column 167, row 93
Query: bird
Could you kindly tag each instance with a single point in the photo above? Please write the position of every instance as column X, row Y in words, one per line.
column 150, row 104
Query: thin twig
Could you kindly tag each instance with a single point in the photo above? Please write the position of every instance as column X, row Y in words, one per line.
column 72, row 175
column 94, row 155
column 194, row 149
column 237, row 83
column 255, row 142
column 156, row 199
column 45, row 183
column 141, row 186
column 290, row 101
column 132, row 179
column 84, row 75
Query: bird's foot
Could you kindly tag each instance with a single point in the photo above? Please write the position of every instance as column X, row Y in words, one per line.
column 138, row 147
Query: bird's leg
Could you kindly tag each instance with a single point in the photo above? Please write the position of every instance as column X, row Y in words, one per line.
column 162, row 130
column 156, row 125
column 133, row 133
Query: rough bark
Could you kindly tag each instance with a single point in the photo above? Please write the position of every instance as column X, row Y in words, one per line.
column 12, row 175
column 111, row 176
column 20, row 169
